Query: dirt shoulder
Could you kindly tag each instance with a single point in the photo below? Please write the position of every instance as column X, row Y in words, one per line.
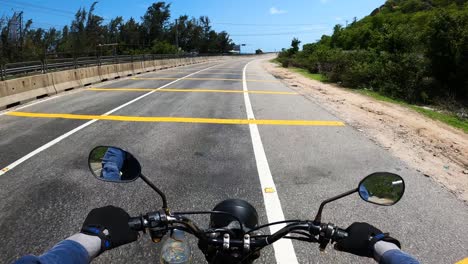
column 435, row 149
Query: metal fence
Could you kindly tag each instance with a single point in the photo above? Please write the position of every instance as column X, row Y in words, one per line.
column 48, row 65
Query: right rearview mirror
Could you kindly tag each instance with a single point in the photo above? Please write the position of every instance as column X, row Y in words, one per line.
column 113, row 164
column 382, row 188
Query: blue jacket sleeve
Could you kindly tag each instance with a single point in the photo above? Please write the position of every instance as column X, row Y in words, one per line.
column 65, row 252
column 396, row 256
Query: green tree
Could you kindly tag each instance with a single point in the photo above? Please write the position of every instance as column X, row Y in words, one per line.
column 448, row 53
column 155, row 21
column 87, row 30
column 295, row 45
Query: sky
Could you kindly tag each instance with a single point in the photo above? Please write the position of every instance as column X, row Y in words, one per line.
column 269, row 25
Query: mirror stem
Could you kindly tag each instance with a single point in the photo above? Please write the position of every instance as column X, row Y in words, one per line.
column 163, row 196
column 318, row 217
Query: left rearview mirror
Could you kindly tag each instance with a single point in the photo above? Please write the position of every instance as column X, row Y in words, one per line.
column 113, row 164
column 382, row 188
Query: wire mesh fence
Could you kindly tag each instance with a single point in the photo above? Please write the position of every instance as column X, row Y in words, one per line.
column 46, row 65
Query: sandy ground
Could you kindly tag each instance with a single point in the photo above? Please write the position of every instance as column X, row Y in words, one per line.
column 435, row 149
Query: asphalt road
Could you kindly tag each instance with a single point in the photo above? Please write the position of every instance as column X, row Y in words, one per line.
column 47, row 195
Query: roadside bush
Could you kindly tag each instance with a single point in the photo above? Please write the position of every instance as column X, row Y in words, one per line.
column 361, row 69
column 402, row 76
column 416, row 51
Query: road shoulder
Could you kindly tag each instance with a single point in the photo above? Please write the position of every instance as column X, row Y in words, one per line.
column 434, row 149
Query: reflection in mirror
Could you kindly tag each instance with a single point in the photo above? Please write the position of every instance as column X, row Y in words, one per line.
column 383, row 188
column 113, row 164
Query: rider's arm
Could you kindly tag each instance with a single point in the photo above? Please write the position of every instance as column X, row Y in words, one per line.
column 368, row 241
column 77, row 249
column 389, row 253
column 104, row 228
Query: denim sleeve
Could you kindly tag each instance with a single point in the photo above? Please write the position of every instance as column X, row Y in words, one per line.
column 65, row 252
column 396, row 256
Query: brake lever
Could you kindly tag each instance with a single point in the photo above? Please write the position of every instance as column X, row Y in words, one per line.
column 323, row 242
column 326, row 233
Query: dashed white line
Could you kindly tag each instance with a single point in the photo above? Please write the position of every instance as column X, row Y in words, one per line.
column 284, row 250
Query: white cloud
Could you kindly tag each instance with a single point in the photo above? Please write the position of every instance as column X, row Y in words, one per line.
column 276, row 11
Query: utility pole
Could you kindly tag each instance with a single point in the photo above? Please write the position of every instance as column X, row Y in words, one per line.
column 240, row 47
column 177, row 34
column 21, row 32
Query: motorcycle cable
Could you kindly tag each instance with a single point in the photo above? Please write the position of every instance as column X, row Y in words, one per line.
column 304, row 236
column 274, row 223
column 213, row 212
column 308, row 239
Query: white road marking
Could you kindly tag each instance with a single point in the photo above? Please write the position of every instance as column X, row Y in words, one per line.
column 284, row 250
column 80, row 89
column 62, row 137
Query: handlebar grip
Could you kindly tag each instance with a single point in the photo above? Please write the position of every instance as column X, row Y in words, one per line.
column 339, row 234
column 136, row 223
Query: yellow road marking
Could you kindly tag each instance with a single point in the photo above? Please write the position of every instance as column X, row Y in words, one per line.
column 223, row 121
column 463, row 261
column 204, row 79
column 207, row 73
column 269, row 190
column 185, row 90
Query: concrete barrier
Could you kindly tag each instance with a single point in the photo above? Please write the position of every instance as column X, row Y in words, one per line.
column 172, row 63
column 164, row 64
column 157, row 65
column 3, row 94
column 137, row 67
column 24, row 89
column 108, row 72
column 64, row 80
column 89, row 75
column 148, row 65
column 125, row 69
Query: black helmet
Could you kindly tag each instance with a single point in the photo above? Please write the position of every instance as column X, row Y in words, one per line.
column 240, row 208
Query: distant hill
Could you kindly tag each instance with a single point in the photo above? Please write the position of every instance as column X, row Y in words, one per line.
column 415, row 50
column 411, row 6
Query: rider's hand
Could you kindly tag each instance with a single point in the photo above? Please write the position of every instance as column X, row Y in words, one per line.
column 362, row 238
column 111, row 225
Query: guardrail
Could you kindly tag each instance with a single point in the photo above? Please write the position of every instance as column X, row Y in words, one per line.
column 65, row 74
column 48, row 65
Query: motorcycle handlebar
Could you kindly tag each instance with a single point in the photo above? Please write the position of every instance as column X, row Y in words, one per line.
column 340, row 234
column 327, row 231
column 136, row 223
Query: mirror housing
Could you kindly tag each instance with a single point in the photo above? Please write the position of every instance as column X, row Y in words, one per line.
column 382, row 188
column 113, row 164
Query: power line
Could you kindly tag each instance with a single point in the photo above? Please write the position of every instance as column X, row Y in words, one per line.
column 270, row 34
column 48, row 24
column 267, row 25
column 42, row 7
column 33, row 8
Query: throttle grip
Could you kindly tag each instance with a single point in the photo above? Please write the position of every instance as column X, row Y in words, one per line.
column 136, row 223
column 339, row 234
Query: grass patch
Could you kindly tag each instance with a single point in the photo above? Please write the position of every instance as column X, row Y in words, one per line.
column 380, row 97
column 275, row 61
column 314, row 76
column 447, row 118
